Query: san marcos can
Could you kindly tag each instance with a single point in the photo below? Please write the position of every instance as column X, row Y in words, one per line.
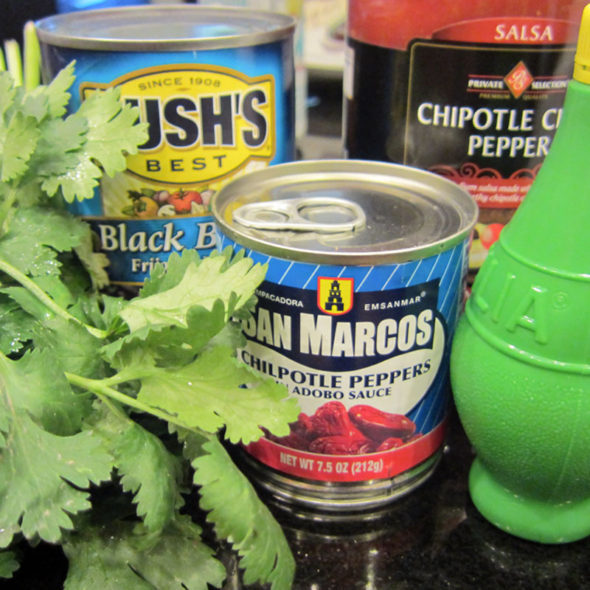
column 215, row 86
column 366, row 273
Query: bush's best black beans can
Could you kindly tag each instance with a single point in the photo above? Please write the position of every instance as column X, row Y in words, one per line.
column 366, row 271
column 215, row 86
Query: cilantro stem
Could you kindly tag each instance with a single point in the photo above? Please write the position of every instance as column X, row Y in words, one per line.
column 99, row 388
column 5, row 208
column 31, row 286
column 14, row 60
column 32, row 59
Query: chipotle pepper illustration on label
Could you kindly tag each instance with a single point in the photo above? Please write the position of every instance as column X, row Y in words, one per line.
column 334, row 430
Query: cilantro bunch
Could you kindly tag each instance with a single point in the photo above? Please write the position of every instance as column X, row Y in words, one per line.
column 113, row 411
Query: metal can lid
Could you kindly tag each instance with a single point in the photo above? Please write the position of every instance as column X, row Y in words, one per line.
column 291, row 211
column 164, row 28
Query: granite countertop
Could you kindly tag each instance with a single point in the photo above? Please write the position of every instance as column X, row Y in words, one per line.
column 431, row 539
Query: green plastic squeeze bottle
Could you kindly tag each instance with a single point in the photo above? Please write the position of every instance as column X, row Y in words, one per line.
column 520, row 362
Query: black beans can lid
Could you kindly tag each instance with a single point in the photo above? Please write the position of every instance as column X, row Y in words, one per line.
column 164, row 28
column 346, row 212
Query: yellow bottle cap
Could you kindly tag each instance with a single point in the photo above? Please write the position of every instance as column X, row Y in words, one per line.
column 582, row 59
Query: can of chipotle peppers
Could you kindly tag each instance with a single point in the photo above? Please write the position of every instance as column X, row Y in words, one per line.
column 469, row 90
column 366, row 271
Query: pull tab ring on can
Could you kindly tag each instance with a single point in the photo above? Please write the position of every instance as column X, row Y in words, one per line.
column 298, row 215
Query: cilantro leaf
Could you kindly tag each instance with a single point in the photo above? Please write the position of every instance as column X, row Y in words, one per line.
column 57, row 90
column 48, row 163
column 95, row 263
column 116, row 557
column 7, row 93
column 171, row 345
column 111, row 129
column 53, row 286
column 36, row 384
column 16, row 326
column 38, row 472
column 150, row 472
column 72, row 346
column 28, row 302
column 109, row 133
column 43, row 153
column 8, row 564
column 35, row 104
column 163, row 277
column 239, row 516
column 48, row 101
column 17, row 144
column 202, row 283
column 147, row 469
column 100, row 310
column 209, row 393
column 77, row 182
column 35, row 237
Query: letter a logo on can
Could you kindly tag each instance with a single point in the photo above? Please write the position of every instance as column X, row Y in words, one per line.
column 335, row 295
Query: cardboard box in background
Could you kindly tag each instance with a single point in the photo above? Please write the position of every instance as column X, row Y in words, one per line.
column 324, row 36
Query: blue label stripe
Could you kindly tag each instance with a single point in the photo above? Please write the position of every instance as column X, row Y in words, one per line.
column 449, row 300
column 389, row 278
column 359, row 288
column 431, row 274
column 441, row 271
column 450, row 282
column 280, row 281
column 433, row 407
column 446, row 266
column 411, row 279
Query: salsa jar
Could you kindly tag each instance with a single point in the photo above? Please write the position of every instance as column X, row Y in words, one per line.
column 469, row 90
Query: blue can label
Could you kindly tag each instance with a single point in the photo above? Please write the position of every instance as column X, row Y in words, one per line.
column 365, row 352
column 208, row 123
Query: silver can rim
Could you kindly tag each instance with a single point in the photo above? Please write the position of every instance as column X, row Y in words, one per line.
column 333, row 501
column 68, row 30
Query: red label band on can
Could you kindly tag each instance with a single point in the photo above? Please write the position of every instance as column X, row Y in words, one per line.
column 472, row 91
column 366, row 268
